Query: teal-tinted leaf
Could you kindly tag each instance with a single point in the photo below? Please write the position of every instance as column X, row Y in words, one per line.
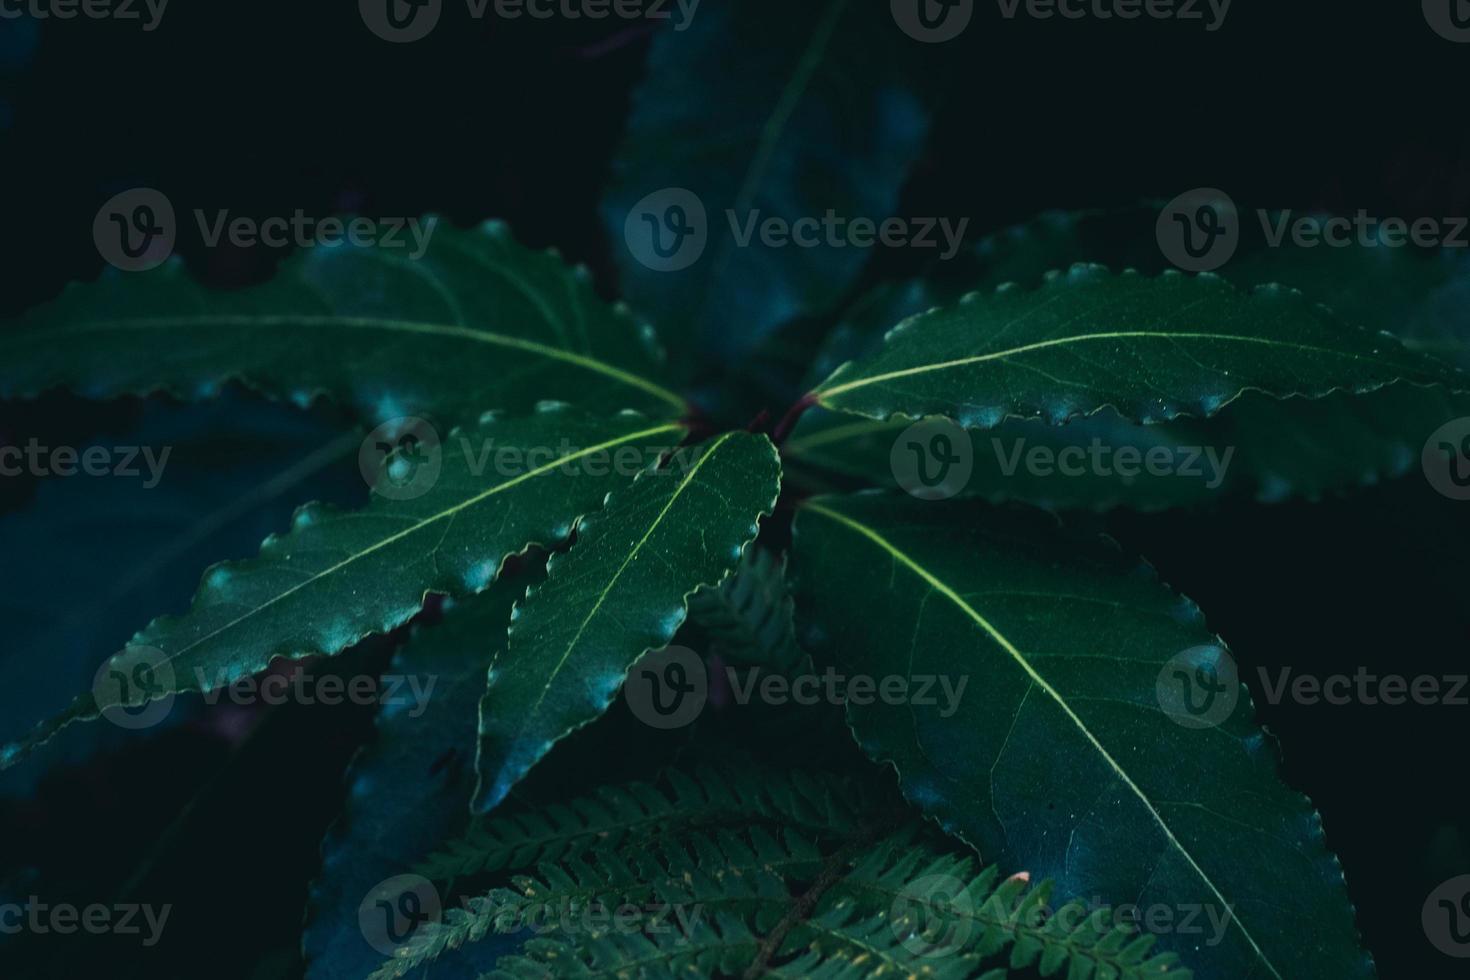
column 1295, row 447
column 1257, row 448
column 1151, row 348
column 338, row 576
column 88, row 553
column 1058, row 758
column 1420, row 298
column 409, row 791
column 622, row 590
column 477, row 323
column 771, row 109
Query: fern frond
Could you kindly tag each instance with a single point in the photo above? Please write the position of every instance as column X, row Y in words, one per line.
column 849, row 946
column 749, row 616
column 431, row 940
column 943, row 899
column 679, row 802
column 740, row 871
column 784, row 901
column 723, row 946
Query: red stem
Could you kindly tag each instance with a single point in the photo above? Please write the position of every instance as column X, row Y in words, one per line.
column 784, row 427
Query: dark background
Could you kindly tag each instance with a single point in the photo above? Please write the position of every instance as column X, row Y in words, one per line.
column 265, row 107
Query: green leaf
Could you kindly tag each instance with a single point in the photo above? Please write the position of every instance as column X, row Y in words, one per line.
column 622, row 590
column 1257, row 448
column 770, row 109
column 98, row 551
column 410, row 789
column 1418, row 297
column 1295, row 447
column 477, row 323
column 338, row 576
column 1153, row 349
column 1059, row 758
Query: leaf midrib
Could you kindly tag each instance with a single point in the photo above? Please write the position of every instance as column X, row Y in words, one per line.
column 632, row 553
column 823, row 394
column 374, row 323
column 1040, row 682
column 417, row 527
